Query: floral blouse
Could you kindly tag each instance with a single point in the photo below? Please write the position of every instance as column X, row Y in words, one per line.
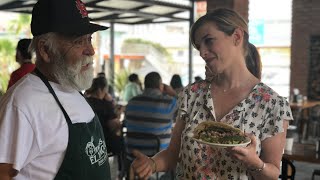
column 261, row 113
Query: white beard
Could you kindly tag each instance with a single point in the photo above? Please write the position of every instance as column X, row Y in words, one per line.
column 71, row 75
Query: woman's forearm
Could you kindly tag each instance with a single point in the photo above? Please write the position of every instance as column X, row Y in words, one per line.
column 269, row 172
column 165, row 161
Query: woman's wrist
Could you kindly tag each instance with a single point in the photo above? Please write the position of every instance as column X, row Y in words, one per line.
column 259, row 168
column 153, row 165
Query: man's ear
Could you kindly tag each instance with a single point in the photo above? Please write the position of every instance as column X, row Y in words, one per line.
column 43, row 50
column 238, row 36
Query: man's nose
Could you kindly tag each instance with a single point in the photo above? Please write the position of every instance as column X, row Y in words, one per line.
column 89, row 50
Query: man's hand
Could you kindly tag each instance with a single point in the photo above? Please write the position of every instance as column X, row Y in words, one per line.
column 142, row 165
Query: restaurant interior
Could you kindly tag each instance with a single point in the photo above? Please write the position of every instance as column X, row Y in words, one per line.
column 301, row 157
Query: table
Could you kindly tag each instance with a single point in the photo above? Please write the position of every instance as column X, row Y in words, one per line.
column 302, row 115
column 303, row 152
column 304, row 105
column 300, row 152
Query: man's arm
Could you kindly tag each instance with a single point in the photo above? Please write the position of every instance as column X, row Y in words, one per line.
column 7, row 172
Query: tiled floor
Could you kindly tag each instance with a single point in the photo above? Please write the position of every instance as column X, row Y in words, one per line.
column 304, row 170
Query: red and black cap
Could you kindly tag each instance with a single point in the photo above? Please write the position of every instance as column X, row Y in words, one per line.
column 68, row 17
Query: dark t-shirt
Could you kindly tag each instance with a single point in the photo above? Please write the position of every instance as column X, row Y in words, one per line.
column 105, row 110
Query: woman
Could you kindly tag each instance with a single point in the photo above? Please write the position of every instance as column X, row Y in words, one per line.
column 253, row 61
column 176, row 83
column 233, row 96
column 101, row 102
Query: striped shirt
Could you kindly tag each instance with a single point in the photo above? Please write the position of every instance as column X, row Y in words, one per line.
column 151, row 112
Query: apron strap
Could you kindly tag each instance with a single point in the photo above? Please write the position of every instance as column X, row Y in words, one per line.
column 46, row 82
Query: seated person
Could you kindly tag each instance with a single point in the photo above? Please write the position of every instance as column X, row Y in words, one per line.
column 151, row 112
column 103, row 106
column 133, row 88
column 176, row 83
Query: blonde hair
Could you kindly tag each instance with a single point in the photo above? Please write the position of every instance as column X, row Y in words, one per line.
column 226, row 21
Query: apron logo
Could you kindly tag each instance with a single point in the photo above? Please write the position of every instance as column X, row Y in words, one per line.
column 96, row 154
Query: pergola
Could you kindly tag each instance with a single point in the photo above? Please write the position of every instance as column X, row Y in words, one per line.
column 129, row 12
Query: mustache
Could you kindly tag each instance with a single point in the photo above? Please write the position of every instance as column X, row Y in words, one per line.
column 86, row 60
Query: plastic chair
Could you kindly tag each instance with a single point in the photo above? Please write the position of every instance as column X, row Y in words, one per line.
column 150, row 150
column 288, row 170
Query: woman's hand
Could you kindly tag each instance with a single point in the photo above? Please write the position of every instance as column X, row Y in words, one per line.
column 142, row 166
column 247, row 155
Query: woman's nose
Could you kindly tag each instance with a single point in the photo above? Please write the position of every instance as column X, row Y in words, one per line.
column 203, row 52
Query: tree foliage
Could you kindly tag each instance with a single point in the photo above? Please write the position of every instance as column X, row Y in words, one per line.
column 7, row 62
column 157, row 46
column 21, row 24
column 20, row 28
column 121, row 80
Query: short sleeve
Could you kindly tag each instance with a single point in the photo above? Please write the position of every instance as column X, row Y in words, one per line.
column 136, row 90
column 279, row 111
column 182, row 105
column 16, row 137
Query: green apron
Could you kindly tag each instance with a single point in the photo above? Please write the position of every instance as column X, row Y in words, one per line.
column 86, row 155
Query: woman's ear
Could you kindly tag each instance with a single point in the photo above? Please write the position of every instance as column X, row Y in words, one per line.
column 43, row 51
column 238, row 36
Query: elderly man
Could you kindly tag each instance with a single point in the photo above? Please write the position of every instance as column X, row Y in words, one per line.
column 47, row 129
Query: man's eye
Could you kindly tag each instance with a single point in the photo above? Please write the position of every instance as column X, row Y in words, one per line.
column 79, row 42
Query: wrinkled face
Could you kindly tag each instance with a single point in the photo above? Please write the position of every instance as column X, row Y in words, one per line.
column 72, row 65
column 215, row 47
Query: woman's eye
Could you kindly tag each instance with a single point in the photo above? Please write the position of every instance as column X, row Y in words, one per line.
column 208, row 41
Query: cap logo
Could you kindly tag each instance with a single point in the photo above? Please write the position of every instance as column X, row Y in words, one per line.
column 82, row 9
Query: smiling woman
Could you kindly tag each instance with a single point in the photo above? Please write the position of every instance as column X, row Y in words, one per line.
column 234, row 96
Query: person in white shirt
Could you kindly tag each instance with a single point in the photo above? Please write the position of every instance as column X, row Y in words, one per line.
column 47, row 128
